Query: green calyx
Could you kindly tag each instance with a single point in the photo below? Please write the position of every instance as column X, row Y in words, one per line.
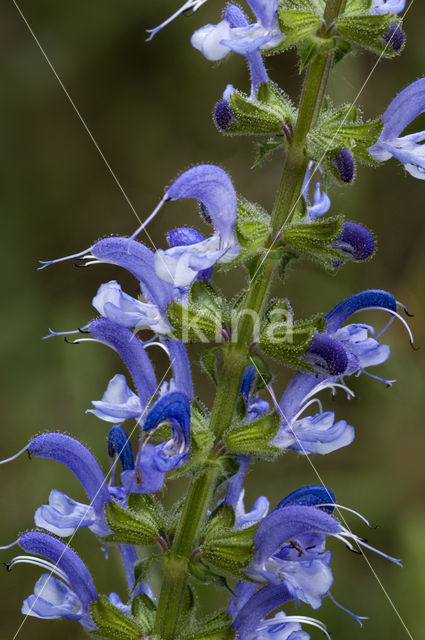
column 142, row 523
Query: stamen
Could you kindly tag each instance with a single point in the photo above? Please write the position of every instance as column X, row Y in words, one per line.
column 39, row 562
column 54, row 334
column 157, row 344
column 362, row 542
column 47, row 263
column 301, row 619
column 389, row 383
column 339, row 506
column 403, row 306
column 192, row 5
column 396, row 315
column 355, row 616
column 148, row 219
column 304, row 407
column 15, row 456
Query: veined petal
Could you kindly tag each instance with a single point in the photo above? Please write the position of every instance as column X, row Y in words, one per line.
column 387, row 6
column 315, row 434
column 52, row 599
column 118, row 402
column 258, row 606
column 208, row 40
column 146, row 477
column 63, row 516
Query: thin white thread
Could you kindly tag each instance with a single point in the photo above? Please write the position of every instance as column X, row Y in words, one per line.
column 112, row 468
column 340, row 514
column 91, row 136
column 329, row 146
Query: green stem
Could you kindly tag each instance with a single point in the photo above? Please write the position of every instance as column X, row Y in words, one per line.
column 236, row 357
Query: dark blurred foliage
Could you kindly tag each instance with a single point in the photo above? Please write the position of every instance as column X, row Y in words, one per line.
column 149, row 108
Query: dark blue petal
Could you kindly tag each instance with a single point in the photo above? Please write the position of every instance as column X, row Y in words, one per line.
column 118, row 443
column 327, row 354
column 369, row 299
column 223, row 114
column 394, row 37
column 139, row 260
column 66, row 559
column 75, row 456
column 247, row 382
column 309, row 497
column 174, row 407
column 343, row 163
column 355, row 241
column 131, row 350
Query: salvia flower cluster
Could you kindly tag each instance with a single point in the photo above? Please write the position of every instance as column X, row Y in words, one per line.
column 269, row 555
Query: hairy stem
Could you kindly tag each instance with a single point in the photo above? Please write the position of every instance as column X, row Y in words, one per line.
column 236, row 357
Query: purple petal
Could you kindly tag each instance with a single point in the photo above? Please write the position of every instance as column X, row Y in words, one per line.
column 147, row 478
column 355, row 241
column 212, row 186
column 131, row 350
column 66, row 559
column 172, row 406
column 258, row 606
column 405, row 107
column 181, row 366
column 327, row 354
column 139, row 260
column 184, row 236
column 369, row 299
column 283, row 524
column 75, row 456
column 264, row 10
column 387, row 6
column 296, row 390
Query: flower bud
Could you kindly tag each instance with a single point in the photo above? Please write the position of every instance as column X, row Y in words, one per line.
column 223, row 115
column 394, row 37
column 343, row 164
column 355, row 241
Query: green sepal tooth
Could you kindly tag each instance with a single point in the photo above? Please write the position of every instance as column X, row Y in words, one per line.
column 253, row 117
column 112, row 623
column 216, row 627
column 252, row 225
column 193, row 325
column 354, row 7
column 264, row 149
column 130, row 527
column 254, row 438
column 147, row 506
column 271, row 96
column 143, row 611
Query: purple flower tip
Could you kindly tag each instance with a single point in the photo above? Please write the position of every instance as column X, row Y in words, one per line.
column 355, row 241
column 343, row 164
column 119, row 443
column 223, row 115
column 394, row 37
column 327, row 354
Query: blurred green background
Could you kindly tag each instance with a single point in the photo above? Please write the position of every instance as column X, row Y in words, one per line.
column 149, row 108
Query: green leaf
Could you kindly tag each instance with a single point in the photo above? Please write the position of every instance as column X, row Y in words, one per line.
column 254, row 438
column 130, row 527
column 144, row 611
column 113, row 623
column 216, row 627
